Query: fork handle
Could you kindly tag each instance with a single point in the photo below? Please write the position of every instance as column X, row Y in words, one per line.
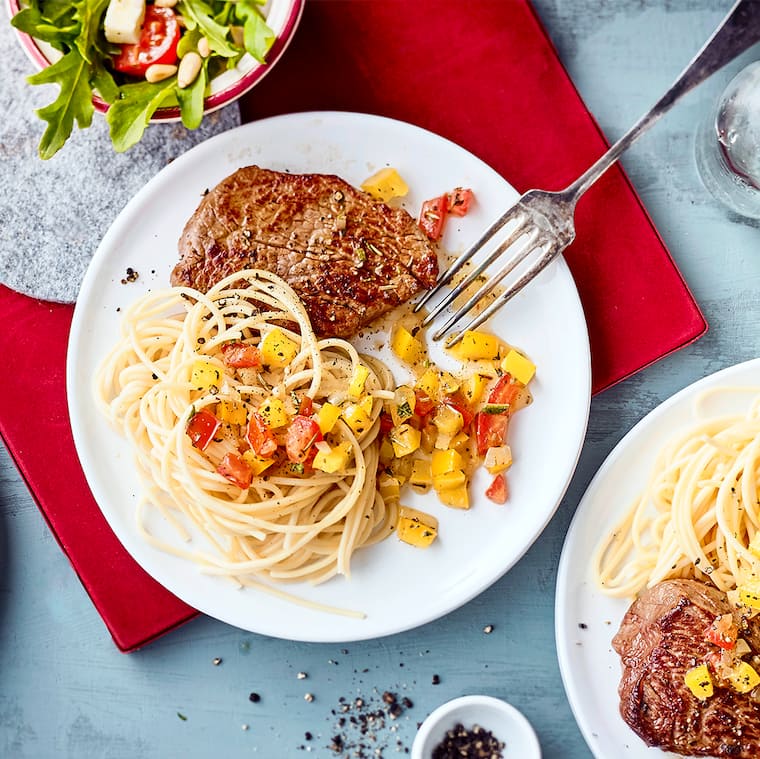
column 738, row 30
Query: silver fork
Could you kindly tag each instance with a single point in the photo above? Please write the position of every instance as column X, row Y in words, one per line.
column 540, row 225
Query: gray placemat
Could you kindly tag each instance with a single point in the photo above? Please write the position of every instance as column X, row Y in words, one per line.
column 54, row 213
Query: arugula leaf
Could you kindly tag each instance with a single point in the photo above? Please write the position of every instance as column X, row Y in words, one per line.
column 74, row 101
column 60, row 34
column 103, row 81
column 89, row 15
column 191, row 99
column 198, row 13
column 128, row 116
column 258, row 36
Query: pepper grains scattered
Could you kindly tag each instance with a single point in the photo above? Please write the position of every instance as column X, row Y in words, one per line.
column 473, row 743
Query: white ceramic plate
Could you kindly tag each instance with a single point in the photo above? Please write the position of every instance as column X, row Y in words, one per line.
column 395, row 585
column 589, row 666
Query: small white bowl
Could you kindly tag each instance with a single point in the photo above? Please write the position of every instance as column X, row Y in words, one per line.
column 504, row 722
column 283, row 17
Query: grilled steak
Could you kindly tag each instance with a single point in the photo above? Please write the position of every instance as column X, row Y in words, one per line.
column 349, row 258
column 661, row 637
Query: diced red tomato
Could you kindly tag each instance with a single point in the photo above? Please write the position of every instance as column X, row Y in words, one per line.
column 158, row 43
column 235, row 470
column 459, row 201
column 424, row 404
column 497, row 490
column 723, row 631
column 490, row 430
column 260, row 437
column 240, row 355
column 300, row 437
column 306, row 407
column 506, row 390
column 433, row 216
column 386, row 423
column 201, row 428
column 459, row 403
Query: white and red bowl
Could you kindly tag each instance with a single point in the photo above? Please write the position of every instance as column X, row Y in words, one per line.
column 282, row 17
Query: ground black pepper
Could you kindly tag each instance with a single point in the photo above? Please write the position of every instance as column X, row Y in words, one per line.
column 469, row 743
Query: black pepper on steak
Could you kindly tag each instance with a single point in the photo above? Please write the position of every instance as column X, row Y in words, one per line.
column 349, row 257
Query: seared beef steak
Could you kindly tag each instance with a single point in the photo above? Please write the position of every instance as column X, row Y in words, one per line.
column 349, row 258
column 661, row 637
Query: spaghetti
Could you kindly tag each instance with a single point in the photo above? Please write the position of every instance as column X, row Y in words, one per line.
column 696, row 517
column 291, row 522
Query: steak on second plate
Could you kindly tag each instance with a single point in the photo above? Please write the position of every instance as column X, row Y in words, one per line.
column 661, row 637
column 349, row 257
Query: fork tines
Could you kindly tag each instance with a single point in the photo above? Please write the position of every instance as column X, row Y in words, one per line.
column 525, row 237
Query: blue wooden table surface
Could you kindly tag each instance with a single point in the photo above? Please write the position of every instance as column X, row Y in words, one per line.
column 65, row 690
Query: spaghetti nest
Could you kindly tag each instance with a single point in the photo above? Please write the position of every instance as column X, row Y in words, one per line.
column 697, row 516
column 293, row 522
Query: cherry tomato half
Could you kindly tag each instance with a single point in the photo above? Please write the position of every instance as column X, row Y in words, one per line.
column 158, row 43
column 433, row 216
column 497, row 491
column 260, row 437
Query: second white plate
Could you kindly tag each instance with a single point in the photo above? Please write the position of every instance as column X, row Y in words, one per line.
column 396, row 586
column 586, row 619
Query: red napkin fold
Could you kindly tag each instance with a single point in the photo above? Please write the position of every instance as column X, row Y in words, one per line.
column 483, row 74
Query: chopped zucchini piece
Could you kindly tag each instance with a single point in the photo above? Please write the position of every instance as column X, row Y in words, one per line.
column 521, row 368
column 416, row 527
column 277, row 349
column 476, row 345
column 385, row 185
column 204, row 375
column 498, row 458
column 699, row 682
column 274, row 413
column 402, row 405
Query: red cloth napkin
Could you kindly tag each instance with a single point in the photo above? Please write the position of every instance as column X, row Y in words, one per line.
column 483, row 74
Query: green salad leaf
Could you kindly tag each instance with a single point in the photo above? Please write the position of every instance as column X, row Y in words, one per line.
column 130, row 114
column 75, row 28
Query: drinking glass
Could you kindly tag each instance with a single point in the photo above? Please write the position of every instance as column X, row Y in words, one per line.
column 727, row 145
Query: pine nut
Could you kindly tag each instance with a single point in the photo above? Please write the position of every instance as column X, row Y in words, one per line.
column 204, row 48
column 157, row 72
column 164, row 3
column 189, row 68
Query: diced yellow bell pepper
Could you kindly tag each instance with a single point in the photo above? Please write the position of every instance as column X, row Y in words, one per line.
column 405, row 440
column 334, row 460
column 421, row 476
column 385, row 185
column 232, row 412
column 498, row 459
column 521, row 368
column 450, row 480
column 743, row 677
column 699, row 682
column 429, row 383
column 388, row 486
column 358, row 378
column 356, row 418
column 443, row 462
column 754, row 545
column 327, row 415
column 406, row 346
column 205, row 375
column 387, row 454
column 448, row 420
column 257, row 463
column 277, row 349
column 749, row 594
column 448, row 383
column 473, row 387
column 459, row 442
column 416, row 527
column 476, row 345
column 367, row 403
column 457, row 498
column 274, row 413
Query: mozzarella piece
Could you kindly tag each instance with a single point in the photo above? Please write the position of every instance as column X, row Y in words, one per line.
column 123, row 21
